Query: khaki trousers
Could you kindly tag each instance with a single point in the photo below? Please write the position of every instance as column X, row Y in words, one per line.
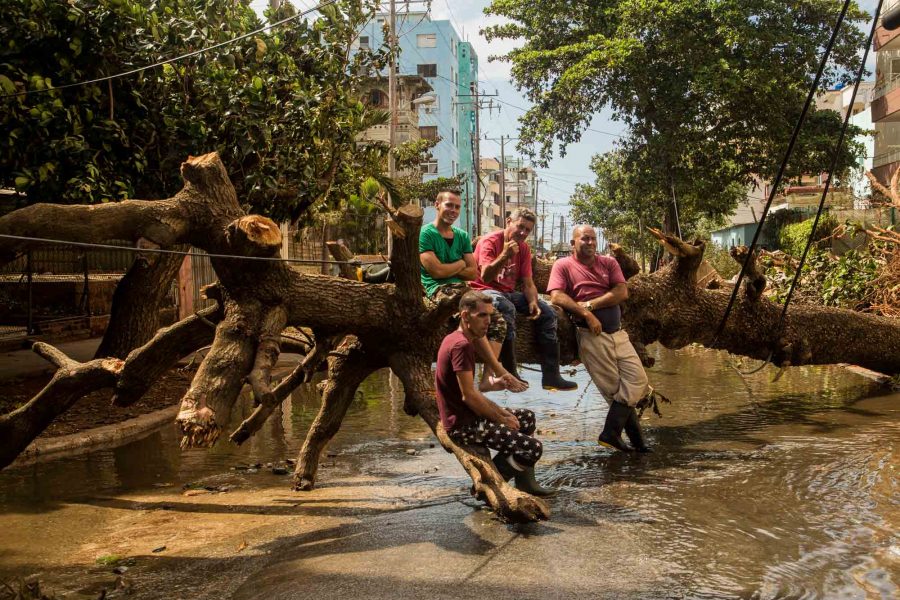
column 613, row 365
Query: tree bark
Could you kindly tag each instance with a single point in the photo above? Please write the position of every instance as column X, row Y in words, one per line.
column 392, row 325
column 136, row 304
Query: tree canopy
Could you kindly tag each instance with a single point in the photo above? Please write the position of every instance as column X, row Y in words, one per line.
column 708, row 90
column 282, row 107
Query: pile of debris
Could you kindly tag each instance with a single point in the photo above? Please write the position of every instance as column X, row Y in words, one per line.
column 884, row 294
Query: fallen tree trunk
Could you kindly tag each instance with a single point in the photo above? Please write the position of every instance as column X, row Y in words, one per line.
column 382, row 325
column 136, row 304
column 670, row 308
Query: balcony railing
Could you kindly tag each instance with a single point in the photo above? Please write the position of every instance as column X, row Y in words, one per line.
column 885, row 87
column 886, row 158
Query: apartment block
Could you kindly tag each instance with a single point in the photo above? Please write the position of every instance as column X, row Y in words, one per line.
column 432, row 50
column 886, row 100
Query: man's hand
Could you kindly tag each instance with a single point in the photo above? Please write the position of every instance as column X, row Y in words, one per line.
column 593, row 323
column 510, row 249
column 509, row 419
column 513, row 384
column 534, row 309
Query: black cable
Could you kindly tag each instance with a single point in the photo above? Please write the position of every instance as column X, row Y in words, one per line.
column 24, row 238
column 175, row 58
column 781, row 169
column 831, row 168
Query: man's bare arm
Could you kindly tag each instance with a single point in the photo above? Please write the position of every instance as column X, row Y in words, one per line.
column 560, row 298
column 470, row 272
column 484, row 352
column 440, row 270
column 491, row 271
column 479, row 403
column 617, row 295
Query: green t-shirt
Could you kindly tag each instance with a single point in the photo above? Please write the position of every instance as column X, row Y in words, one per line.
column 430, row 239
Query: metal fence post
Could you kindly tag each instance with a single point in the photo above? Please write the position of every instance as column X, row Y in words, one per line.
column 29, row 326
column 86, row 294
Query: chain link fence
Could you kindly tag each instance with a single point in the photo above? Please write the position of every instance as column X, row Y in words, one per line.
column 58, row 287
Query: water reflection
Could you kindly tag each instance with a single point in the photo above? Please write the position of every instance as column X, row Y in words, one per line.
column 758, row 488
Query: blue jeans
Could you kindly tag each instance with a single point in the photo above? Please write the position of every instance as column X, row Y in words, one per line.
column 508, row 303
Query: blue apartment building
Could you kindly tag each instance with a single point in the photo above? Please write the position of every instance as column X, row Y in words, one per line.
column 433, row 50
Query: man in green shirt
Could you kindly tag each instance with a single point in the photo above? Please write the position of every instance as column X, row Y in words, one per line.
column 444, row 250
column 446, row 257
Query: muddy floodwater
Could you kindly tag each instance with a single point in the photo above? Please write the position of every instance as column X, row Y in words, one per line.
column 757, row 489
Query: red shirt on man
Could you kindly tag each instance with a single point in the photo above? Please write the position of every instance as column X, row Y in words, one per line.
column 455, row 354
column 488, row 249
column 585, row 282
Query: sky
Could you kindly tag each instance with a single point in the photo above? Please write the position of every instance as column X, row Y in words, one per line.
column 558, row 180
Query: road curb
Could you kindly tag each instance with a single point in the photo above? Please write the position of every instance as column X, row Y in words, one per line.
column 98, row 438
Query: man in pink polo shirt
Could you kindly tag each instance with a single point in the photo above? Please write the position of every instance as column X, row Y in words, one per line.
column 591, row 287
column 504, row 259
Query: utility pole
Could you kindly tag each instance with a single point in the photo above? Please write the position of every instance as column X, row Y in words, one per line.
column 536, row 182
column 476, row 158
column 476, row 146
column 562, row 229
column 392, row 102
column 503, row 181
column 552, row 232
column 543, row 217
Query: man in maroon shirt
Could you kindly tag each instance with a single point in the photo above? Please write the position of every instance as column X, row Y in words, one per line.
column 591, row 287
column 468, row 416
column 504, row 259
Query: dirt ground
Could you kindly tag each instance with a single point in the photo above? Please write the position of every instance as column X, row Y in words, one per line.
column 95, row 409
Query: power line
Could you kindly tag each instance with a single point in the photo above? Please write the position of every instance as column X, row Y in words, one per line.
column 178, row 252
column 586, row 128
column 453, row 18
column 176, row 58
column 563, row 179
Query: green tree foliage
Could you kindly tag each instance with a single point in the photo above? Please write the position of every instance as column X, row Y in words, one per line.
column 709, row 91
column 792, row 238
column 846, row 281
column 282, row 107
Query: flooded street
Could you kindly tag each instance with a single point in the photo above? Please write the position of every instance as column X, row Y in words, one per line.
column 756, row 489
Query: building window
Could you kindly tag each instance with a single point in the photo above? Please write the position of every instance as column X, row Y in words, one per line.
column 453, row 167
column 429, row 132
column 428, row 70
column 363, row 41
column 429, row 167
column 453, row 137
column 426, row 40
column 378, row 99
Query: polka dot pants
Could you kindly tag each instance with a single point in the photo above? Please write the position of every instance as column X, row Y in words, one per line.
column 525, row 449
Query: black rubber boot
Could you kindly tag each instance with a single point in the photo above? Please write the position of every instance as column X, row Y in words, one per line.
column 611, row 436
column 526, row 482
column 550, row 377
column 634, row 433
column 506, row 470
column 508, row 359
